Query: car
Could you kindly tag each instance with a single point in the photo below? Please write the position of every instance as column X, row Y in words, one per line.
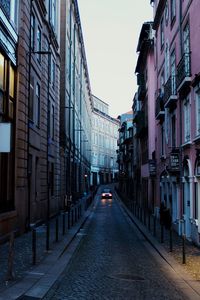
column 106, row 194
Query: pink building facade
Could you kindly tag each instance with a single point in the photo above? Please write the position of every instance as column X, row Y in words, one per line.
column 177, row 112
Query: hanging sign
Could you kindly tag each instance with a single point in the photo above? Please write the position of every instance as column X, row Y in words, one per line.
column 5, row 137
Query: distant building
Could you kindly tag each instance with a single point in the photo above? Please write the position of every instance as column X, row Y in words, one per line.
column 104, row 168
column 125, row 153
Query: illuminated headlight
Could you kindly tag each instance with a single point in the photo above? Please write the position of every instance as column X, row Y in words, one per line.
column 103, row 195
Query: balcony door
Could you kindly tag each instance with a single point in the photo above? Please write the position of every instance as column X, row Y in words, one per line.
column 186, row 48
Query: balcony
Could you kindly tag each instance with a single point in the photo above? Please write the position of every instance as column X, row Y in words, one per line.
column 141, row 87
column 160, row 112
column 170, row 92
column 184, row 72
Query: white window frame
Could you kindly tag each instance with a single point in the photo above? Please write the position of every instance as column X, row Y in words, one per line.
column 197, row 104
column 187, row 119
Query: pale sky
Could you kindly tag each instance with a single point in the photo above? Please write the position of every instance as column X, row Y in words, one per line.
column 111, row 29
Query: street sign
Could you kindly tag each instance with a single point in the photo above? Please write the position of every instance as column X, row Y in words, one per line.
column 5, row 137
column 152, row 167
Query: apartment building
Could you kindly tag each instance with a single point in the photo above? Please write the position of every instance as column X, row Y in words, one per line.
column 177, row 77
column 104, row 167
column 76, row 105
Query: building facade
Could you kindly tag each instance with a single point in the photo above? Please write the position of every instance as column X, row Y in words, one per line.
column 144, row 120
column 48, row 117
column 9, row 36
column 125, row 153
column 76, row 105
column 104, row 167
column 173, row 134
column 177, row 73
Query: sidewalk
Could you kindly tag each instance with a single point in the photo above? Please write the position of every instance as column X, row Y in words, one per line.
column 190, row 271
column 26, row 275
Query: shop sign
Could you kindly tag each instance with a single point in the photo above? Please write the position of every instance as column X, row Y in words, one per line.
column 152, row 167
column 174, row 162
column 5, row 137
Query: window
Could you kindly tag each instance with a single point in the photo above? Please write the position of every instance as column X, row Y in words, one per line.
column 53, row 13
column 197, row 97
column 186, row 109
column 51, row 178
column 186, row 49
column 31, row 101
column 2, row 82
column 173, row 10
column 162, row 140
column 162, row 82
column 37, row 105
column 53, row 73
column 39, row 43
column 162, row 40
column 196, row 200
column 173, row 73
column 7, row 113
column 173, row 131
column 167, row 61
column 52, row 122
column 32, row 32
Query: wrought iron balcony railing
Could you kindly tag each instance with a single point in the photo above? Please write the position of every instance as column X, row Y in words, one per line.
column 159, row 112
column 170, row 91
column 184, row 70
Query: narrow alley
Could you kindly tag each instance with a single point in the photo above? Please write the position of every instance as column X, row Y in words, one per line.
column 114, row 261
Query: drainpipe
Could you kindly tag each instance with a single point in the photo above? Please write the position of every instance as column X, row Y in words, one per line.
column 28, row 131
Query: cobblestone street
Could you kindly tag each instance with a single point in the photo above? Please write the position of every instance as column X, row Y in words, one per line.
column 112, row 262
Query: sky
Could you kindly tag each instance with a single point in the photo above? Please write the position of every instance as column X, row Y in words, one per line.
column 111, row 30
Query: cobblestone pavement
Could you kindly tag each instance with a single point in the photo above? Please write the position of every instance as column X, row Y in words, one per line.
column 192, row 252
column 113, row 263
column 22, row 254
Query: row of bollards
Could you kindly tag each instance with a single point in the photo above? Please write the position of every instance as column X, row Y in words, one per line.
column 68, row 219
column 145, row 217
column 73, row 215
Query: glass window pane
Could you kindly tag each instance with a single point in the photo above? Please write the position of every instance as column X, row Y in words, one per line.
column 11, row 109
column 2, row 64
column 1, row 102
column 11, row 82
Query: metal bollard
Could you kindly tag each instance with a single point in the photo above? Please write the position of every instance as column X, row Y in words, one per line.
column 162, row 234
column 75, row 214
column 47, row 235
column 170, row 240
column 68, row 219
column 34, row 246
column 183, row 249
column 63, row 224
column 10, row 273
column 57, row 229
column 149, row 221
column 154, row 225
column 145, row 221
